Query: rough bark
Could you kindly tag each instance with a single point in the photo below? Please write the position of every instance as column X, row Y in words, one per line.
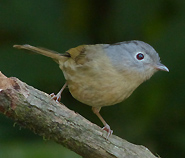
column 38, row 112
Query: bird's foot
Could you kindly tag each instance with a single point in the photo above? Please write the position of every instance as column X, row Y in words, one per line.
column 108, row 130
column 57, row 97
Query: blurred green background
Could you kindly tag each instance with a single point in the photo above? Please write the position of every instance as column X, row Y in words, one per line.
column 153, row 116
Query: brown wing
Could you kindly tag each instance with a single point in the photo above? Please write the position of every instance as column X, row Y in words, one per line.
column 78, row 54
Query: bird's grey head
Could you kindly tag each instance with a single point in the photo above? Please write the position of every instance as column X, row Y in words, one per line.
column 136, row 58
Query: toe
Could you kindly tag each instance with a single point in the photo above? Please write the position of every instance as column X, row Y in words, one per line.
column 55, row 97
column 108, row 130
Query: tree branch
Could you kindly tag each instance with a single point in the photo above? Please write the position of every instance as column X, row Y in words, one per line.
column 36, row 111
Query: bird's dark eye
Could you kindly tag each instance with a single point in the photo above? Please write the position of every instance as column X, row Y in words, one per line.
column 140, row 56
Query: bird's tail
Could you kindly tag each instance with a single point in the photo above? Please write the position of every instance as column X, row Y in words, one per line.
column 49, row 53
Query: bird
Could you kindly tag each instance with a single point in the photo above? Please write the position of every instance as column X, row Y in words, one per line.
column 104, row 74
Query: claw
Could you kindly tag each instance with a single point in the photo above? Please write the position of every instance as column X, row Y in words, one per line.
column 108, row 130
column 57, row 98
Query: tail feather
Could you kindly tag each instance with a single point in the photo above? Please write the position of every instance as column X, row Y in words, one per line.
column 49, row 53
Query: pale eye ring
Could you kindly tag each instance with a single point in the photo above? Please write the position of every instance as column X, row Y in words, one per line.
column 140, row 56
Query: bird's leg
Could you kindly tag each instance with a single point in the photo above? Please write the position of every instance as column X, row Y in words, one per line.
column 106, row 126
column 58, row 96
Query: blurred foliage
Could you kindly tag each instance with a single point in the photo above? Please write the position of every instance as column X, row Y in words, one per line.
column 153, row 116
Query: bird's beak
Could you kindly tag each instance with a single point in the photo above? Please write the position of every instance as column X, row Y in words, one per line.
column 161, row 67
